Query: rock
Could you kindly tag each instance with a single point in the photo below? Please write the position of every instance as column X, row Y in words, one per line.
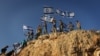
column 3, row 54
column 74, row 43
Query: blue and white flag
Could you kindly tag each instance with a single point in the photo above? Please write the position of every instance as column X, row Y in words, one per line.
column 47, row 18
column 17, row 47
column 71, row 14
column 27, row 27
column 48, row 10
column 58, row 11
column 63, row 14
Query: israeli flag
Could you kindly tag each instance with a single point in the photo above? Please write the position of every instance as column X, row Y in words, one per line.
column 63, row 14
column 48, row 10
column 27, row 27
column 17, row 47
column 71, row 14
column 58, row 11
column 47, row 18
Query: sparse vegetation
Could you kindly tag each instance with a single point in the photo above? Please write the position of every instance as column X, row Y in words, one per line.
column 73, row 43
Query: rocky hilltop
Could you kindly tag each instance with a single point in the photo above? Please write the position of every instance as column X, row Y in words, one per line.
column 73, row 43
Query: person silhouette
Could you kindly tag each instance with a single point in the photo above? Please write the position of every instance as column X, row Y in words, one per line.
column 54, row 25
column 61, row 26
column 70, row 26
column 78, row 25
column 45, row 27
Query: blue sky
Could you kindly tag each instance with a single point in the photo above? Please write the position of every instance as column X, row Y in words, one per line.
column 15, row 13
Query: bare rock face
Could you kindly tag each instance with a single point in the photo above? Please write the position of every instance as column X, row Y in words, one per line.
column 3, row 54
column 74, row 43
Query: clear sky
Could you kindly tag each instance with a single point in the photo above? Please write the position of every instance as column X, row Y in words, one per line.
column 15, row 13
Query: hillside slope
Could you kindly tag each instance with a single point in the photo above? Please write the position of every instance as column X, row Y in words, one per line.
column 74, row 43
